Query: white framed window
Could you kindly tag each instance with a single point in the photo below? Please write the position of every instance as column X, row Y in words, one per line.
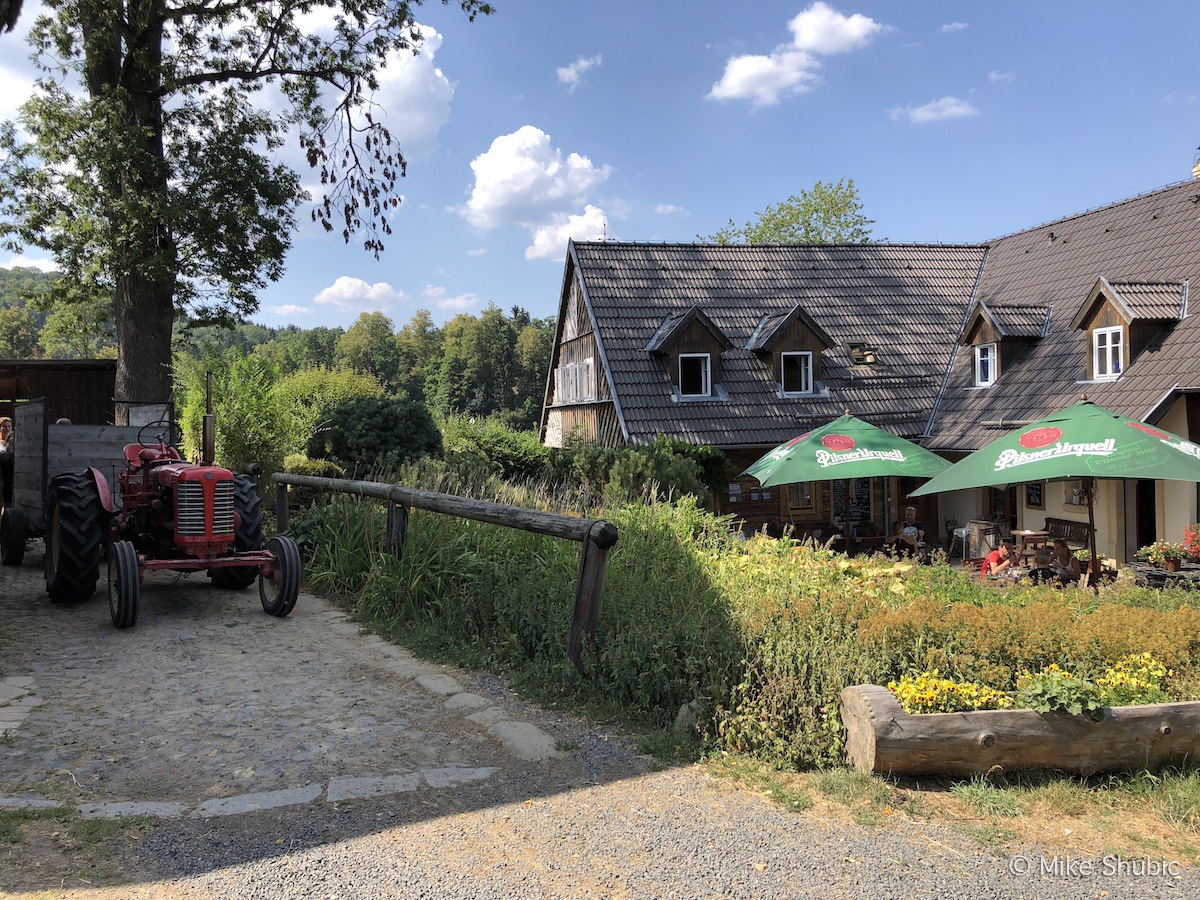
column 1106, row 352
column 575, row 382
column 796, row 370
column 986, row 365
column 587, row 385
column 695, row 375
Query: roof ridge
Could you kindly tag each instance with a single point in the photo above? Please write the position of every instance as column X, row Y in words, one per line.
column 1087, row 212
column 966, row 245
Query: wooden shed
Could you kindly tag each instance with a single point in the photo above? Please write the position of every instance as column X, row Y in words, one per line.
column 78, row 389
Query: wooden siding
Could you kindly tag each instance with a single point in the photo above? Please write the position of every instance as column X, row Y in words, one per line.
column 575, row 319
column 595, row 422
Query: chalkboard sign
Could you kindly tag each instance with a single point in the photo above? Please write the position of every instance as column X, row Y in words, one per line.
column 860, row 501
column 1034, row 498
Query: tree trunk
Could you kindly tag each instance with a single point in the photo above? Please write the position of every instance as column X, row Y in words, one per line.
column 144, row 314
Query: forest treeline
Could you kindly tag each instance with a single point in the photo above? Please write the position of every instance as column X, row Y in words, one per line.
column 493, row 364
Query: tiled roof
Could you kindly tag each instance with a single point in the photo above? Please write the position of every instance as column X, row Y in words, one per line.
column 907, row 301
column 1147, row 247
column 1015, row 320
column 1152, row 301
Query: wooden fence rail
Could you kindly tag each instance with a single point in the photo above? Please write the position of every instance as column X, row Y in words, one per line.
column 596, row 535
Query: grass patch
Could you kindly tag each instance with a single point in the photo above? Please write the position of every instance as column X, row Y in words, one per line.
column 985, row 799
column 12, row 820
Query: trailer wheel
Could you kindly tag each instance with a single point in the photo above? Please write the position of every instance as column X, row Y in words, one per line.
column 124, row 585
column 279, row 592
column 74, row 538
column 249, row 536
column 12, row 536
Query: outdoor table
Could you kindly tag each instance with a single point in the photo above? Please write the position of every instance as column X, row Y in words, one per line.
column 1030, row 540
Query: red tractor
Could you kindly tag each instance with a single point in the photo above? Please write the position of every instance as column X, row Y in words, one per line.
column 172, row 514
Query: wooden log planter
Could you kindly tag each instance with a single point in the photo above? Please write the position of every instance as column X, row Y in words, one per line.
column 882, row 738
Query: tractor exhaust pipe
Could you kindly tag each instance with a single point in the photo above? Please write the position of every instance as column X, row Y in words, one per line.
column 208, row 439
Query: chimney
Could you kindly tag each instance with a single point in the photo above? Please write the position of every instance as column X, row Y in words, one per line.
column 1196, row 166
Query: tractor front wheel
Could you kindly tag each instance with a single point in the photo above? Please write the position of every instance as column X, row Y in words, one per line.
column 74, row 537
column 249, row 536
column 12, row 536
column 279, row 592
column 124, row 584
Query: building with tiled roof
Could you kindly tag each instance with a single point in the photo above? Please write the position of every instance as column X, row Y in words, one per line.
column 746, row 346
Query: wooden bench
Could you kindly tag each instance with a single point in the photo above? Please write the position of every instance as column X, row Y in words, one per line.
column 1076, row 534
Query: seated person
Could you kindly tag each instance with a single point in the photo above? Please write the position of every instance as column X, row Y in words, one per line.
column 1064, row 564
column 1042, row 573
column 999, row 562
column 911, row 535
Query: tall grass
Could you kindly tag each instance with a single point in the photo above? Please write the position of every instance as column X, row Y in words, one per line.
column 758, row 637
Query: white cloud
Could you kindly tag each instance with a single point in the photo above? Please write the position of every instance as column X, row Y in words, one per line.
column 415, row 96
column 668, row 209
column 550, row 240
column 290, row 309
column 792, row 68
column 951, row 27
column 42, row 263
column 523, row 180
column 571, row 75
column 477, row 251
column 354, row 296
column 433, row 291
column 945, row 108
column 461, row 301
column 997, row 77
column 822, row 29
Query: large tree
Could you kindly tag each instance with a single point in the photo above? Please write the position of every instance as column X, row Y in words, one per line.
column 824, row 214
column 156, row 184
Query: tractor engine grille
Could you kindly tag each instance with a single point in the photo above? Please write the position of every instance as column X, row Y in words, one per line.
column 189, row 511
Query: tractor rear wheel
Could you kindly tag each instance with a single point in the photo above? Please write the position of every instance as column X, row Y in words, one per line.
column 279, row 592
column 248, row 536
column 74, row 537
column 124, row 584
column 12, row 536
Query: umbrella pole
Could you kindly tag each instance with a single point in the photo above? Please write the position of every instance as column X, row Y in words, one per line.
column 1093, row 568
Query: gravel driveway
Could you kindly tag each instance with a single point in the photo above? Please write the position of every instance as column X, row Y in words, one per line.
column 297, row 758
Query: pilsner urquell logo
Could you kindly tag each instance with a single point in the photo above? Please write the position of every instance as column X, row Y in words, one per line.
column 1046, row 443
column 841, row 449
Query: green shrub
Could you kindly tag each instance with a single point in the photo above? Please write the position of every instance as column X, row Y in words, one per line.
column 249, row 425
column 489, row 444
column 373, row 434
column 305, row 398
column 301, row 498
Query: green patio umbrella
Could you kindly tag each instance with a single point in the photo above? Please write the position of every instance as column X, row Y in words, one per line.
column 846, row 448
column 1084, row 441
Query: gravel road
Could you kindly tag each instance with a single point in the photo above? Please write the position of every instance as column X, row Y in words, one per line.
column 297, row 758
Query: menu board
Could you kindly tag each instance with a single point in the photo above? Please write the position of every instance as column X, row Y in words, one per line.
column 860, row 500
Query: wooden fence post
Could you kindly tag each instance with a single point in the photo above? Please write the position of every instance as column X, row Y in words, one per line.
column 397, row 528
column 593, row 563
column 281, row 507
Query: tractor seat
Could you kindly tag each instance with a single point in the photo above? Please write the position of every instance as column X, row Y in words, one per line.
column 137, row 455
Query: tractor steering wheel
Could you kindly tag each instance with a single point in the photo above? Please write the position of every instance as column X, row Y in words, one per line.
column 169, row 435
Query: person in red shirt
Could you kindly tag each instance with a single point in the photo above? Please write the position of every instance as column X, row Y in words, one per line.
column 998, row 561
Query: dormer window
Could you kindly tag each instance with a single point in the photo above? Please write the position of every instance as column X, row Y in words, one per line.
column 797, row 370
column 987, row 365
column 695, row 375
column 1106, row 352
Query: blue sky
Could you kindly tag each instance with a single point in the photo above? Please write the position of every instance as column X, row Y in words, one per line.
column 659, row 121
